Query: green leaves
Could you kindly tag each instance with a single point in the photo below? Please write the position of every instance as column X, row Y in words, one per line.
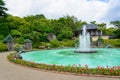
column 15, row 33
column 3, row 47
column 116, row 23
column 4, row 30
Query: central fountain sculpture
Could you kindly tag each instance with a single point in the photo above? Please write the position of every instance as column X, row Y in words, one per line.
column 84, row 42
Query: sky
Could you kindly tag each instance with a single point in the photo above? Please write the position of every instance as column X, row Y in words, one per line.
column 85, row 10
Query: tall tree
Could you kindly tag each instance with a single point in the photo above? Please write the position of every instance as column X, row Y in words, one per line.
column 2, row 9
column 116, row 23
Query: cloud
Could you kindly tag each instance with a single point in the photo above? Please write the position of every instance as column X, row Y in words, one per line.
column 114, row 11
column 100, row 0
column 86, row 10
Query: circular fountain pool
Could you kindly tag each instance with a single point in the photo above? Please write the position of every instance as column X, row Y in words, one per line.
column 104, row 57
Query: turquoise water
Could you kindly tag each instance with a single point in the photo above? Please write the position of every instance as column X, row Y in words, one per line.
column 103, row 57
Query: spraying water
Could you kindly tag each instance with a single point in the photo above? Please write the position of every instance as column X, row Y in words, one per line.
column 84, row 42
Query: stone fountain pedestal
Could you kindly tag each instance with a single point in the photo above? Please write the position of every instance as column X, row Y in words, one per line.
column 85, row 51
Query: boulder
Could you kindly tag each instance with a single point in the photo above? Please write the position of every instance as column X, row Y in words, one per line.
column 41, row 47
column 51, row 36
column 18, row 56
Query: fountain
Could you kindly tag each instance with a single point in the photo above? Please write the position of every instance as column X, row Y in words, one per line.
column 84, row 42
column 68, row 56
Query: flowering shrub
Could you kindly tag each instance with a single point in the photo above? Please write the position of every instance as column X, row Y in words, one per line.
column 113, row 71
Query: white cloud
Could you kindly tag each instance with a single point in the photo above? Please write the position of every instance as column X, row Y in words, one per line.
column 18, row 7
column 82, row 9
column 114, row 11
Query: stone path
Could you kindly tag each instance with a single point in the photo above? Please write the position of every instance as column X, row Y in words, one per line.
column 11, row 71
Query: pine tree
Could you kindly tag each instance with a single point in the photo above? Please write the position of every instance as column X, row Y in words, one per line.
column 3, row 9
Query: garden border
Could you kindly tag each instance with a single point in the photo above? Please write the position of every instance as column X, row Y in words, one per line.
column 45, row 68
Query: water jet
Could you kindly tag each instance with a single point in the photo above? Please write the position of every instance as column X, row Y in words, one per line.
column 84, row 42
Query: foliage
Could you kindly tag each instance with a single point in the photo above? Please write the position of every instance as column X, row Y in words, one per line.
column 68, row 43
column 3, row 47
column 15, row 33
column 113, row 71
column 117, row 33
column 18, row 47
column 19, row 40
column 4, row 30
column 110, row 31
column 66, row 33
column 114, row 42
column 37, row 44
column 116, row 23
column 100, row 39
column 1, row 37
column 55, row 43
column 37, row 27
column 15, row 22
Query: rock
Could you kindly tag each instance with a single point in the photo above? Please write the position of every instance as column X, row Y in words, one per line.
column 41, row 47
column 51, row 36
column 18, row 56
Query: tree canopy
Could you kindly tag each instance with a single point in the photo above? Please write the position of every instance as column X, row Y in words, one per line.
column 116, row 23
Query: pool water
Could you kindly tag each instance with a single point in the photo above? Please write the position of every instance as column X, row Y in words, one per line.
column 104, row 57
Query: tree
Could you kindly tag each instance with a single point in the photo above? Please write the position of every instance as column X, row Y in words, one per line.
column 4, row 30
column 34, row 36
column 15, row 33
column 66, row 33
column 116, row 23
column 36, row 17
column 117, row 33
column 2, row 9
column 15, row 22
column 93, row 22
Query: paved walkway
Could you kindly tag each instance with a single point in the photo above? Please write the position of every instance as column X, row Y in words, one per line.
column 10, row 71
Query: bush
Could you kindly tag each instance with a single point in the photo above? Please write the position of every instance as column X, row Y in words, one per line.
column 69, row 43
column 20, row 40
column 45, row 44
column 36, row 44
column 55, row 43
column 114, row 42
column 1, row 37
column 15, row 33
column 3, row 47
column 18, row 47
